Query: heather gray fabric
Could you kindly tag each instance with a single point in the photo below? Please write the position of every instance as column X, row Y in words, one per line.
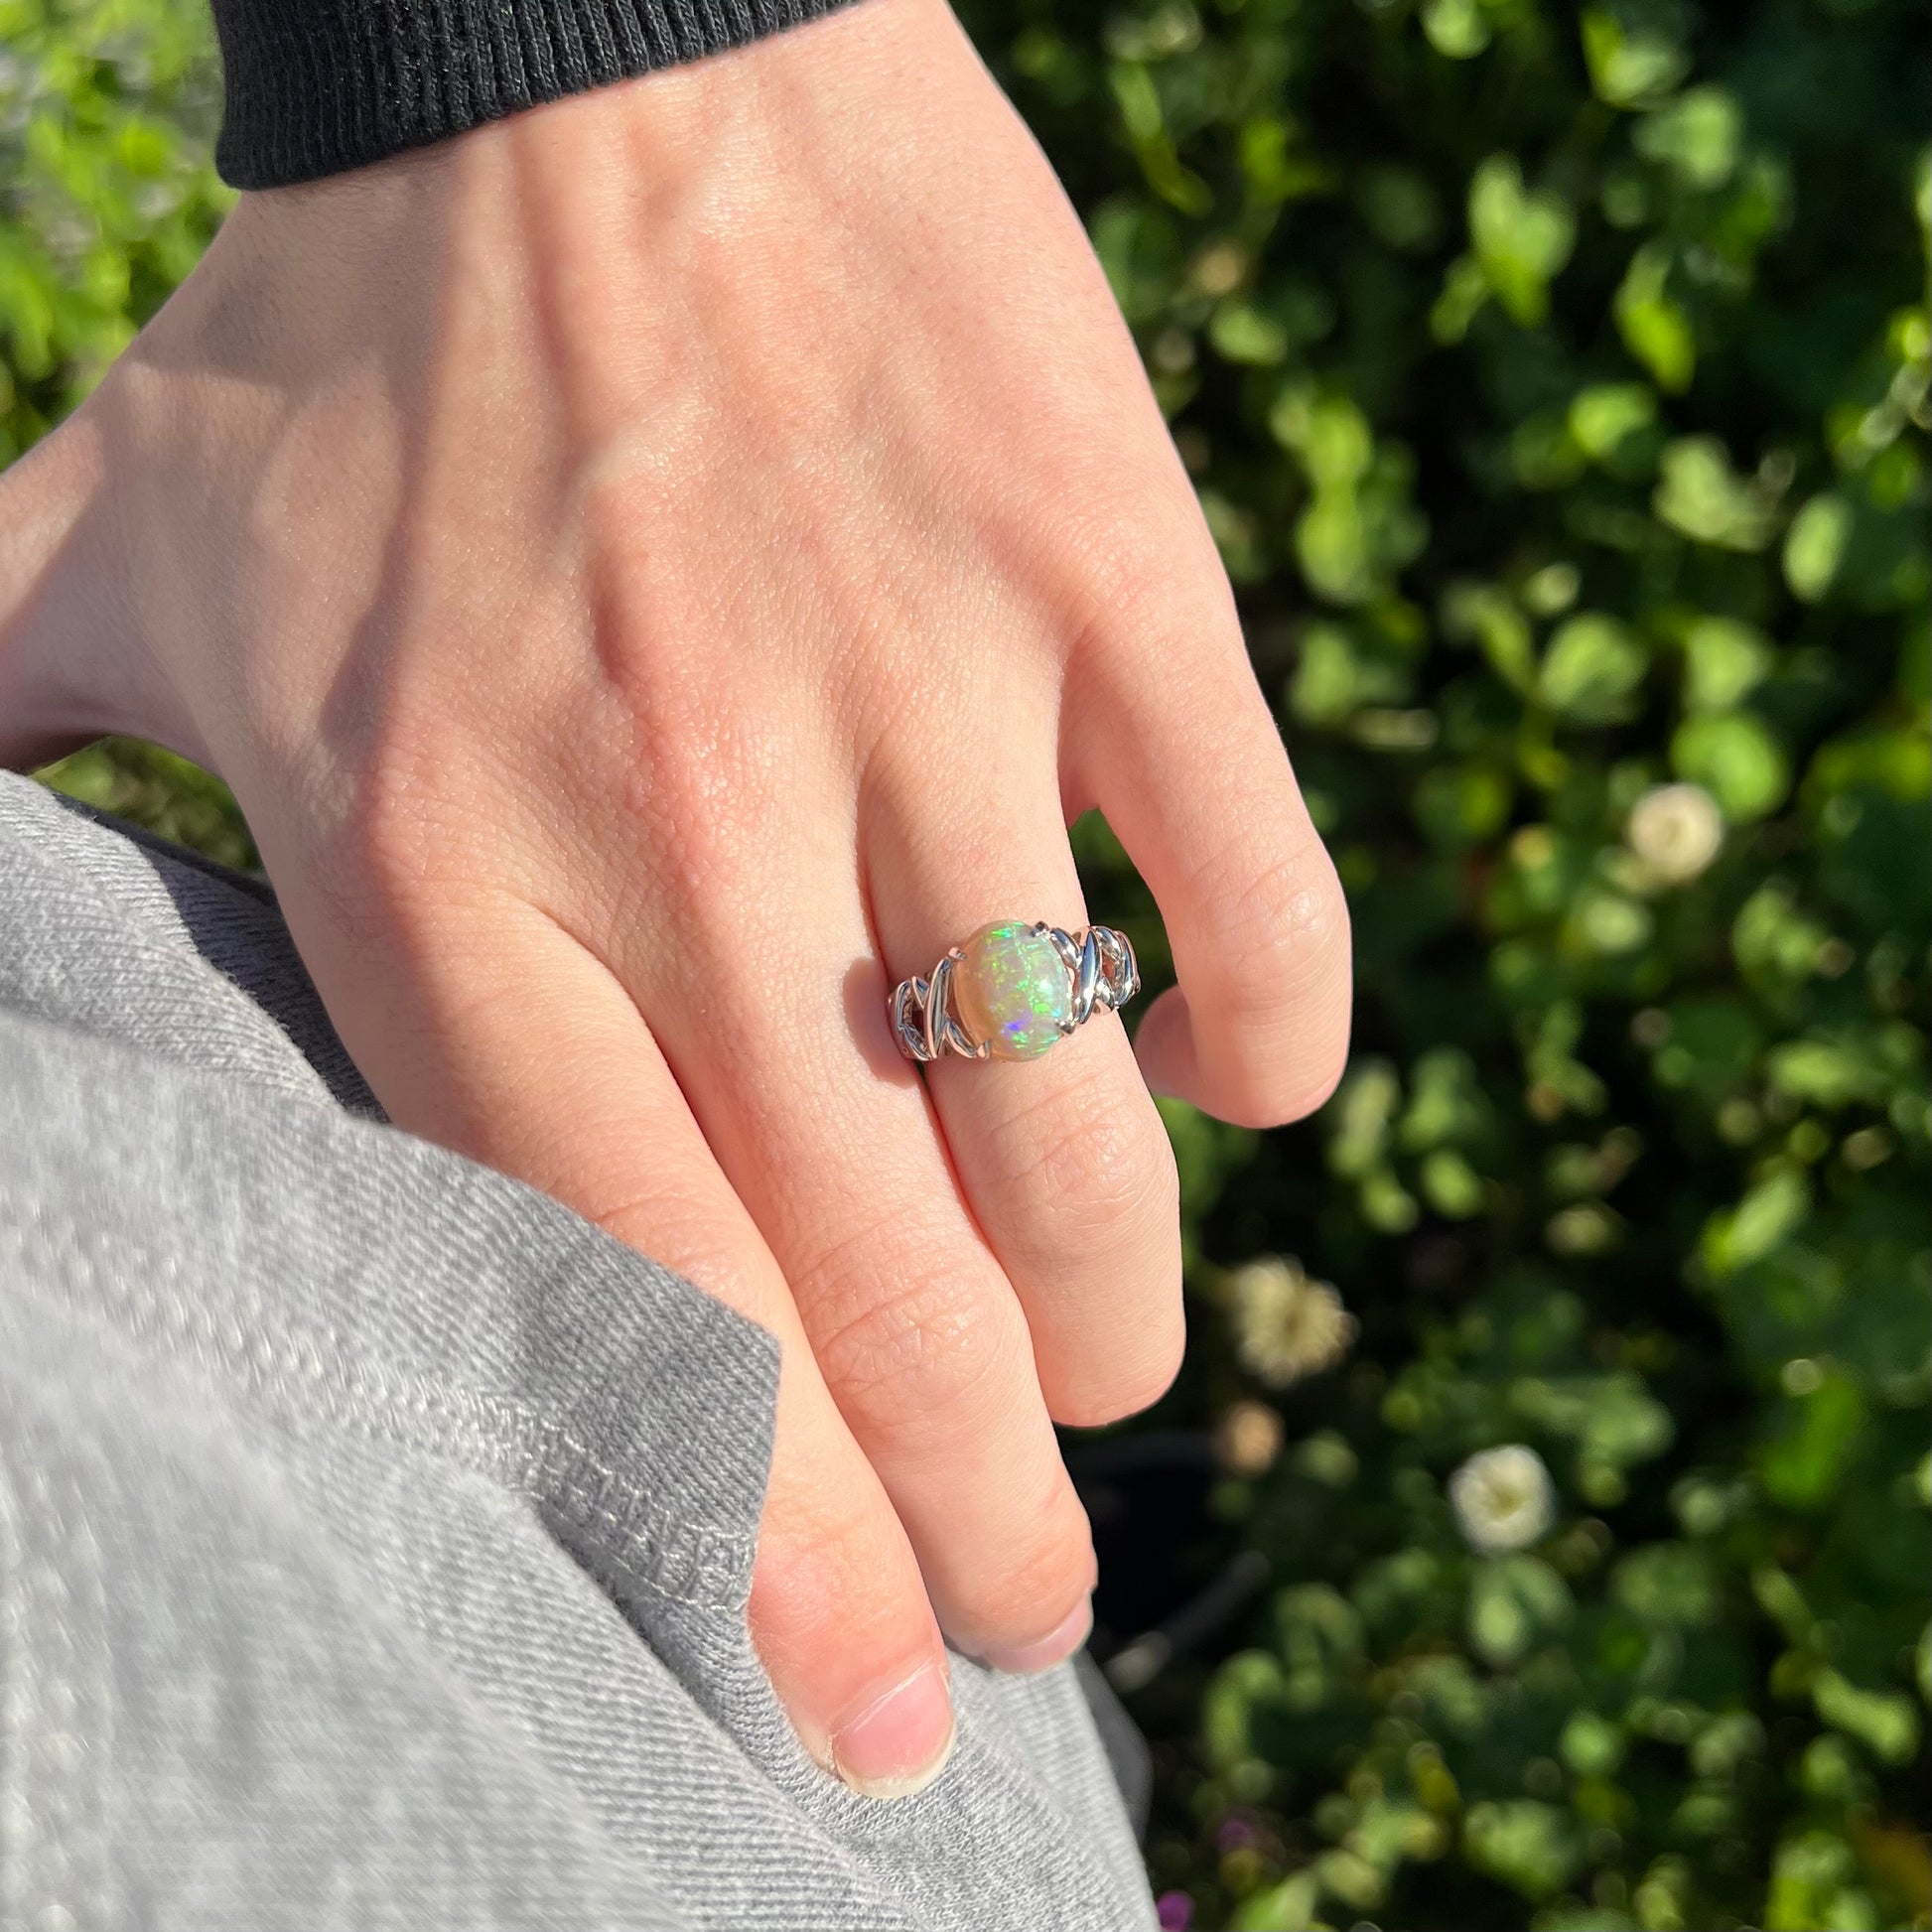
column 374, row 1534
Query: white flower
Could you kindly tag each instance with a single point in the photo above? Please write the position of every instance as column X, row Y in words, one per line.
column 1503, row 1498
column 1286, row 1327
column 1676, row 830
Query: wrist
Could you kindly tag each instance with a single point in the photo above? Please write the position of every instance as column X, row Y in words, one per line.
column 306, row 100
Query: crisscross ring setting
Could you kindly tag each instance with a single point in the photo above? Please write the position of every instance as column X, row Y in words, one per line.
column 1012, row 991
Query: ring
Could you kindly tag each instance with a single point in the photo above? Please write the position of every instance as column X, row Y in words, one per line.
column 1011, row 991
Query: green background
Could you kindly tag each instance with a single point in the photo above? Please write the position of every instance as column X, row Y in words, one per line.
column 1554, row 381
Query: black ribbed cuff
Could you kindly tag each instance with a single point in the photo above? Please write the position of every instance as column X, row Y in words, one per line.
column 315, row 87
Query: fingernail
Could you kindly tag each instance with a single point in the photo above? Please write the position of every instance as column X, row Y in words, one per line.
column 1022, row 1659
column 900, row 1742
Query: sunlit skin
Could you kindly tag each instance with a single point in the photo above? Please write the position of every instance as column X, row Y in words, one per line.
column 655, row 571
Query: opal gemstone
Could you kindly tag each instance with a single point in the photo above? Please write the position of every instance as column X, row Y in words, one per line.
column 1012, row 990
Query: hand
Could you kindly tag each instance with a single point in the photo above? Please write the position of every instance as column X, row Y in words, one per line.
column 655, row 571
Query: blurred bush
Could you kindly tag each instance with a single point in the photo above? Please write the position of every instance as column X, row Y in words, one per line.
column 107, row 192
column 1554, row 381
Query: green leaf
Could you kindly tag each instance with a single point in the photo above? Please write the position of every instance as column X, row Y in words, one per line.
column 1655, row 330
column 1592, row 669
column 1450, row 1186
column 1609, row 415
column 1319, row 1638
column 1698, row 136
column 1802, row 1466
column 1533, row 1848
column 1613, row 1420
column 1672, row 1584
column 1286, row 1907
column 1724, row 662
column 1455, row 29
column 1592, row 1747
column 1515, row 1602
column 1635, row 51
column 1521, row 240
column 1832, row 1072
column 1815, row 546
column 1241, row 333
column 1447, row 1102
column 1245, row 1689
column 1463, row 805
column 1361, row 1117
column 1769, row 1215
column 1811, row 1887
column 1733, row 757
column 1701, row 494
column 1489, row 615
column 1883, row 1721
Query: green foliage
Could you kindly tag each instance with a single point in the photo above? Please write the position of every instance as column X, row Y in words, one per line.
column 108, row 194
column 1556, row 385
column 164, row 792
column 1555, row 382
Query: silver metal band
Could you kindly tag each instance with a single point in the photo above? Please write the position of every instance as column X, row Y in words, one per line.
column 1100, row 965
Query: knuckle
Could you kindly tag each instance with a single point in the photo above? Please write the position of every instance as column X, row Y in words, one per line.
column 1287, row 932
column 391, row 830
column 1100, row 1228
column 1276, row 1000
column 1035, row 1592
column 1026, row 1587
column 1102, row 1178
column 922, row 1355
column 691, row 801
column 1146, row 548
column 390, row 855
column 834, row 1580
column 699, row 814
column 1172, row 593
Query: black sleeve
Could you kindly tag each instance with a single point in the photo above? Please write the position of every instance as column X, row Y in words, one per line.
column 317, row 86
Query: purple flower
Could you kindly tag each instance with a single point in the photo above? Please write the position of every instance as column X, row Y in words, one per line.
column 1235, row 1835
column 1177, row 1911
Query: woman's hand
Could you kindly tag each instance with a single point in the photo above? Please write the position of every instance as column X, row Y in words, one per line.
column 655, row 571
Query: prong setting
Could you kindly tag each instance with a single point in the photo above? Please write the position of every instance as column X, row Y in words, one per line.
column 989, row 999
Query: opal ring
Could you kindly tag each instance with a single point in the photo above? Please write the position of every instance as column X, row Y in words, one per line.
column 1011, row 991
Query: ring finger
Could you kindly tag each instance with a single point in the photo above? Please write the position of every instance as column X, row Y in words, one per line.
column 1062, row 1157
column 831, row 1145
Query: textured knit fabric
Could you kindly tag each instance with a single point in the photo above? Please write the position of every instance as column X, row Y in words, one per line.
column 315, row 87
column 376, row 1534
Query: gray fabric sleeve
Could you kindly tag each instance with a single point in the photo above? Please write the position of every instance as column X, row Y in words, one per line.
column 374, row 1534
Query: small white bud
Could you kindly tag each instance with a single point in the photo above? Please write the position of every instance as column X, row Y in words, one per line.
column 1676, row 830
column 1503, row 1498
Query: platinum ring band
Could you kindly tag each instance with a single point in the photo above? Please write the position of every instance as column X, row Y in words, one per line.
column 1011, row 991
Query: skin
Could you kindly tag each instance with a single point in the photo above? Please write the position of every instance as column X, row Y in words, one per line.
column 655, row 571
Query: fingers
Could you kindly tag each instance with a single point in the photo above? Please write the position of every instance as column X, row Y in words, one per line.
column 917, row 1335
column 522, row 1050
column 1175, row 745
column 827, row 1138
column 1064, row 1158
